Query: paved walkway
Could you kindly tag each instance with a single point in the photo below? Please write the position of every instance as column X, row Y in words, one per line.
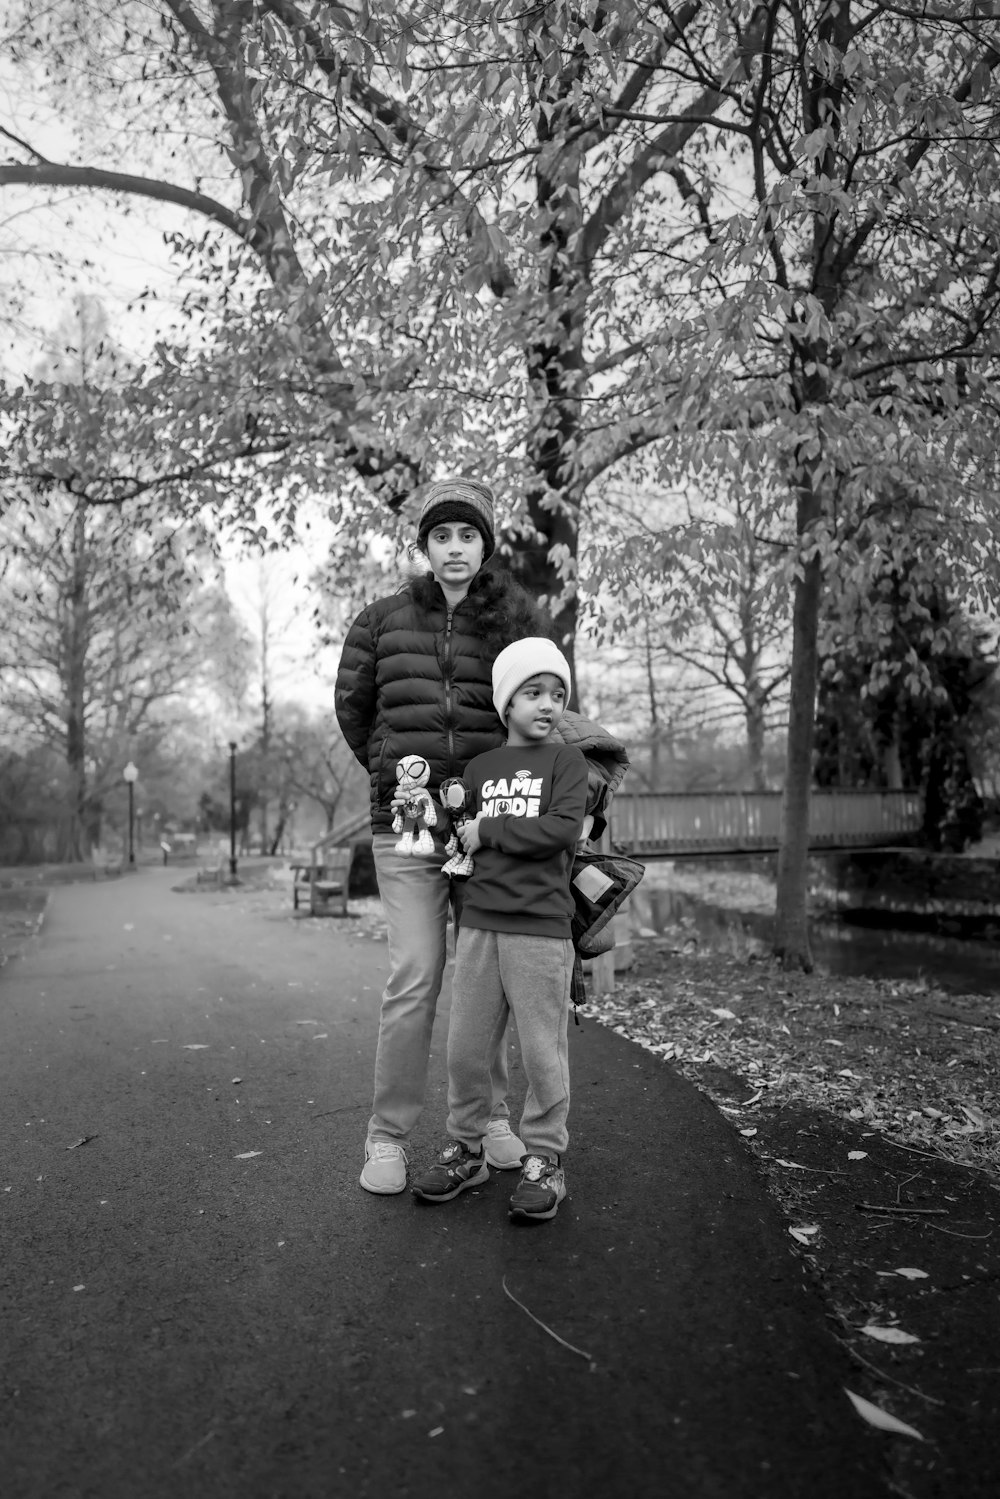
column 199, row 1300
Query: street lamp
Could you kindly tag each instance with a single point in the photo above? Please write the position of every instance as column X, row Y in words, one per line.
column 232, row 809
column 131, row 776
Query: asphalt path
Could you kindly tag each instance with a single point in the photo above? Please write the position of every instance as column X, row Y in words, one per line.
column 198, row 1298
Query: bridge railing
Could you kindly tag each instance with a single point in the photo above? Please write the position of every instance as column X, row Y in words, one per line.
column 678, row 822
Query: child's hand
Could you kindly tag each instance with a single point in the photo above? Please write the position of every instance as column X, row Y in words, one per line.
column 469, row 834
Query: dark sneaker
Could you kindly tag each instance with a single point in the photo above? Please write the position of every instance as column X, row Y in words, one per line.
column 541, row 1189
column 455, row 1169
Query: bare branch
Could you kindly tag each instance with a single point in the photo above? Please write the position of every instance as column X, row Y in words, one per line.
column 59, row 175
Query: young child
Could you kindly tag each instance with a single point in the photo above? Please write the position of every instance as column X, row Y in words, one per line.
column 514, row 951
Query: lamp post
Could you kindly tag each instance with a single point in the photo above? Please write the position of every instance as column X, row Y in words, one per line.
column 232, row 809
column 131, row 775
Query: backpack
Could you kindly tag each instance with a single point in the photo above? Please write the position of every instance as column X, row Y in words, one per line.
column 600, row 882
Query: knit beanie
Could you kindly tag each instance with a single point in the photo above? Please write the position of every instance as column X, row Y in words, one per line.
column 524, row 659
column 459, row 500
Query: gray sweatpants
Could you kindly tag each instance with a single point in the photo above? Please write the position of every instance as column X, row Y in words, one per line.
column 496, row 973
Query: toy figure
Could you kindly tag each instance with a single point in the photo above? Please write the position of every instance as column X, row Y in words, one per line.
column 416, row 816
column 455, row 798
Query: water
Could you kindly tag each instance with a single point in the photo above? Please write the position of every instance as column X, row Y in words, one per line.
column 839, row 946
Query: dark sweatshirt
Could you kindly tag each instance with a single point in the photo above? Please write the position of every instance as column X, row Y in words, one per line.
column 535, row 798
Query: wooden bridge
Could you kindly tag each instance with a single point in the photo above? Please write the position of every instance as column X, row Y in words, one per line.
column 671, row 824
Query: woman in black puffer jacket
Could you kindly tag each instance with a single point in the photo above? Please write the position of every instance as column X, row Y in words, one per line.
column 415, row 678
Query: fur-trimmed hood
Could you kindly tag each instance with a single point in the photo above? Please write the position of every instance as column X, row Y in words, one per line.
column 607, row 762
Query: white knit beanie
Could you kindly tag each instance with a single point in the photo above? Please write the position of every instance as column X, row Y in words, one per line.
column 524, row 659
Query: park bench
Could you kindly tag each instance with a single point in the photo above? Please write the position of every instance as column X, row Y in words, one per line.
column 213, row 864
column 323, row 881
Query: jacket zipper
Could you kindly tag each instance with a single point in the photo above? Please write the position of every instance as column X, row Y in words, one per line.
column 447, row 691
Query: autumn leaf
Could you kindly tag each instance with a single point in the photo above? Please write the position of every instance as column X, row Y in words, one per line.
column 880, row 1418
column 888, row 1334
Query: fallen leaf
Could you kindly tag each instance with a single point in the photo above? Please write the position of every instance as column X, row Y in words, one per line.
column 83, row 1140
column 195, row 1046
column 248, row 1155
column 436, row 1432
column 747, row 1102
column 846, row 1072
column 912, row 1274
column 794, row 1165
column 237, row 1079
column 751, row 1131
column 975, row 1116
column 723, row 1013
column 889, row 1334
column 804, row 1232
column 880, row 1418
column 857, row 1155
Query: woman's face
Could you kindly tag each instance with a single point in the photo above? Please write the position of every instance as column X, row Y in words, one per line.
column 455, row 553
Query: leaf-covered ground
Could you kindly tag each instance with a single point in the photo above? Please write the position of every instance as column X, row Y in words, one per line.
column 872, row 1110
column 919, row 1065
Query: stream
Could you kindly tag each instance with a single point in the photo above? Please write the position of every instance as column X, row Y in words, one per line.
column 862, row 945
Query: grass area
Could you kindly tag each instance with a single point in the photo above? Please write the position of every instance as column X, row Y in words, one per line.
column 21, row 910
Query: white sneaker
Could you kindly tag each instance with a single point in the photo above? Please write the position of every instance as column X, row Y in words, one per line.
column 385, row 1168
column 503, row 1149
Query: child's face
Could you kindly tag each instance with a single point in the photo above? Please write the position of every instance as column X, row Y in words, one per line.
column 455, row 553
column 535, row 709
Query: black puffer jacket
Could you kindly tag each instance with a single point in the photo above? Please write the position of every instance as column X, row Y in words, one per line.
column 414, row 681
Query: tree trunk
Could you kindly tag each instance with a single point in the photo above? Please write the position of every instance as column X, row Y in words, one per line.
column 892, row 760
column 555, row 363
column 754, row 719
column 791, row 933
column 822, row 104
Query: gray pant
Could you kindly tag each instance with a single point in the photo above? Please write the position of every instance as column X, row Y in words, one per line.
column 497, row 973
column 415, row 901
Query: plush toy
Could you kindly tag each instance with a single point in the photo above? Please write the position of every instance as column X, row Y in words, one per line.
column 416, row 816
column 455, row 799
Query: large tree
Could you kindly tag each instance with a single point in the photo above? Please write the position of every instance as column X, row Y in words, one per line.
column 106, row 627
column 450, row 235
column 706, row 623
column 849, row 314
